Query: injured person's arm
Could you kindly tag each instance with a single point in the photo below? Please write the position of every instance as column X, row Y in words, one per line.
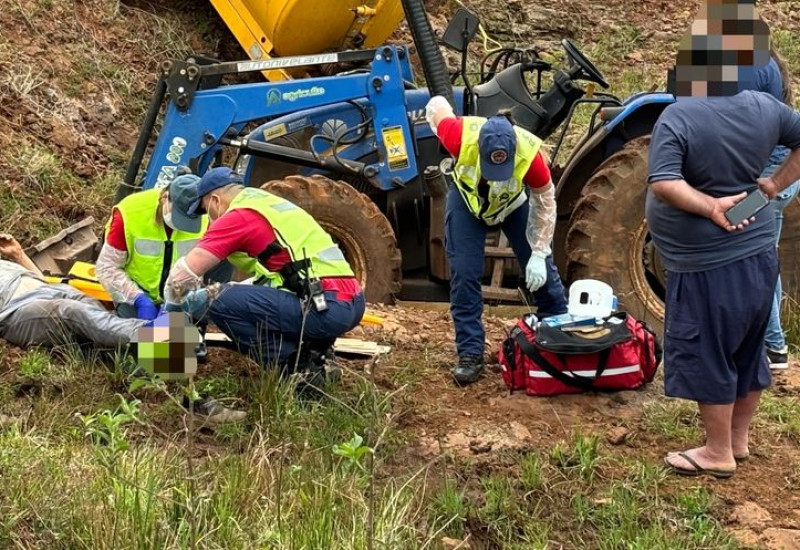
column 11, row 249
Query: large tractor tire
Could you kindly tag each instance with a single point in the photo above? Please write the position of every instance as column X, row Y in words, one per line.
column 608, row 238
column 356, row 224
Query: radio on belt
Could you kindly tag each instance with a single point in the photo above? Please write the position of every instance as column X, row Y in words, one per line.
column 317, row 295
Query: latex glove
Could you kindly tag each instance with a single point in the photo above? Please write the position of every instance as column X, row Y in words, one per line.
column 536, row 272
column 437, row 105
column 145, row 308
column 197, row 303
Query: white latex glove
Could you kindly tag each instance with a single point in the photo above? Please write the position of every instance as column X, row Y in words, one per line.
column 437, row 107
column 536, row 272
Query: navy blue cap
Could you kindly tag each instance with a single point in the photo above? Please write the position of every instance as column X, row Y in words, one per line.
column 182, row 194
column 215, row 178
column 497, row 144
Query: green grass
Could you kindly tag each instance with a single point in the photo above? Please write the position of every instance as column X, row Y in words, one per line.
column 787, row 43
column 35, row 365
column 790, row 321
column 96, row 467
column 448, row 510
column 781, row 413
column 674, row 419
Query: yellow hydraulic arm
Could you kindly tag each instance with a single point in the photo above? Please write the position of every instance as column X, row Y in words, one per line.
column 280, row 28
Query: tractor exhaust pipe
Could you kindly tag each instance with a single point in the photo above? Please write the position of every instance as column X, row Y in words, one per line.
column 433, row 65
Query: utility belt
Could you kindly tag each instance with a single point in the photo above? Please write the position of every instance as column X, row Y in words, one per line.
column 296, row 279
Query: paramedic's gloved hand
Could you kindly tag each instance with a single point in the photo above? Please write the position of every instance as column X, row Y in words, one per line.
column 197, row 303
column 168, row 306
column 145, row 308
column 437, row 108
column 536, row 272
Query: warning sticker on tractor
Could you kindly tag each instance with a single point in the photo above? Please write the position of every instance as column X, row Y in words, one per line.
column 396, row 152
column 275, row 132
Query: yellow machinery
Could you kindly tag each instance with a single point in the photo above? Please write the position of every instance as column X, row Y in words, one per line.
column 280, row 28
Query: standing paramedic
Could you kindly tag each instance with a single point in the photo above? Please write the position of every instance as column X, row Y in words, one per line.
column 304, row 289
column 501, row 179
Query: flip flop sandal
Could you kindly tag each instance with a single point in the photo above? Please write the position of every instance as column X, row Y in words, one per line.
column 698, row 470
column 741, row 458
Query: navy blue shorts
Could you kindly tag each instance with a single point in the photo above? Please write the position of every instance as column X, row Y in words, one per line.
column 714, row 331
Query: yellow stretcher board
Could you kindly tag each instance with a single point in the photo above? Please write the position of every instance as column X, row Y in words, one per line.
column 82, row 276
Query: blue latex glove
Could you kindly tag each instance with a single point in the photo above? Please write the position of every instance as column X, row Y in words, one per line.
column 145, row 308
column 196, row 303
column 536, row 272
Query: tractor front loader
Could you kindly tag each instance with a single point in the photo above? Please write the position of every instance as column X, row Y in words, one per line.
column 355, row 151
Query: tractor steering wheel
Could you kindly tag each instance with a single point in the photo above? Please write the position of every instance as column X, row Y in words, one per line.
column 587, row 68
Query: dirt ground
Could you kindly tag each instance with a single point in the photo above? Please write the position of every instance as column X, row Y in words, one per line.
column 75, row 78
column 483, row 420
column 483, row 423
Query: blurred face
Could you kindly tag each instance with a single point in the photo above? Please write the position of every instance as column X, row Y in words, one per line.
column 718, row 56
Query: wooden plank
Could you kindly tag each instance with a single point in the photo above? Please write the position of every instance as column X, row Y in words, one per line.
column 499, row 264
column 495, row 293
column 498, row 252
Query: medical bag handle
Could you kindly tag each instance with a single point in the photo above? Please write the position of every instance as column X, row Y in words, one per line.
column 569, row 379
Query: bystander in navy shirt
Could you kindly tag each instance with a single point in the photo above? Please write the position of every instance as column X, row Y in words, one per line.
column 718, row 146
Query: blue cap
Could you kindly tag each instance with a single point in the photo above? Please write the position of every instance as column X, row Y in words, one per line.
column 182, row 194
column 216, row 178
column 497, row 143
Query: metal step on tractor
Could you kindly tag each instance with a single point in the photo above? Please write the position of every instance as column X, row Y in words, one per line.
column 354, row 150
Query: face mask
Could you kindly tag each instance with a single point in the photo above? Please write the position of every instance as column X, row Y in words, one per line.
column 168, row 221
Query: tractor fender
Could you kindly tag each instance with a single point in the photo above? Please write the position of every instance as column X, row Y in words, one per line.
column 636, row 119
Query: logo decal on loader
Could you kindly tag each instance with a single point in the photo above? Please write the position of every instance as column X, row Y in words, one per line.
column 304, row 93
column 273, row 97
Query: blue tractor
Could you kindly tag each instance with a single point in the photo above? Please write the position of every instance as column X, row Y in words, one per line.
column 355, row 151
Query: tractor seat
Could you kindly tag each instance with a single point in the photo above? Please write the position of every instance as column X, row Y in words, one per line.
column 507, row 90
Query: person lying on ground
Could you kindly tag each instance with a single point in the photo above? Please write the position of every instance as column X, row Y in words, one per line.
column 35, row 313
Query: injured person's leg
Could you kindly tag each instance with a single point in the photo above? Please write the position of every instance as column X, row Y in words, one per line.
column 58, row 321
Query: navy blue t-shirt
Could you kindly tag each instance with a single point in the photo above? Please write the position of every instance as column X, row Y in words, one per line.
column 768, row 79
column 719, row 145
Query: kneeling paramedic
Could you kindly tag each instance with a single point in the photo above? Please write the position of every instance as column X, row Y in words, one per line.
column 141, row 246
column 304, row 295
column 500, row 179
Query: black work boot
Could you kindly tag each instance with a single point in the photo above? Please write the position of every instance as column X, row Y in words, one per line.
column 201, row 350
column 314, row 368
column 468, row 370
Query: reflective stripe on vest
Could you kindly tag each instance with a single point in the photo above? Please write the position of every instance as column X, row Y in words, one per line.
column 504, row 196
column 145, row 240
column 296, row 231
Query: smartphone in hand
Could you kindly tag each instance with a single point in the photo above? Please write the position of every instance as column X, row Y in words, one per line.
column 748, row 207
